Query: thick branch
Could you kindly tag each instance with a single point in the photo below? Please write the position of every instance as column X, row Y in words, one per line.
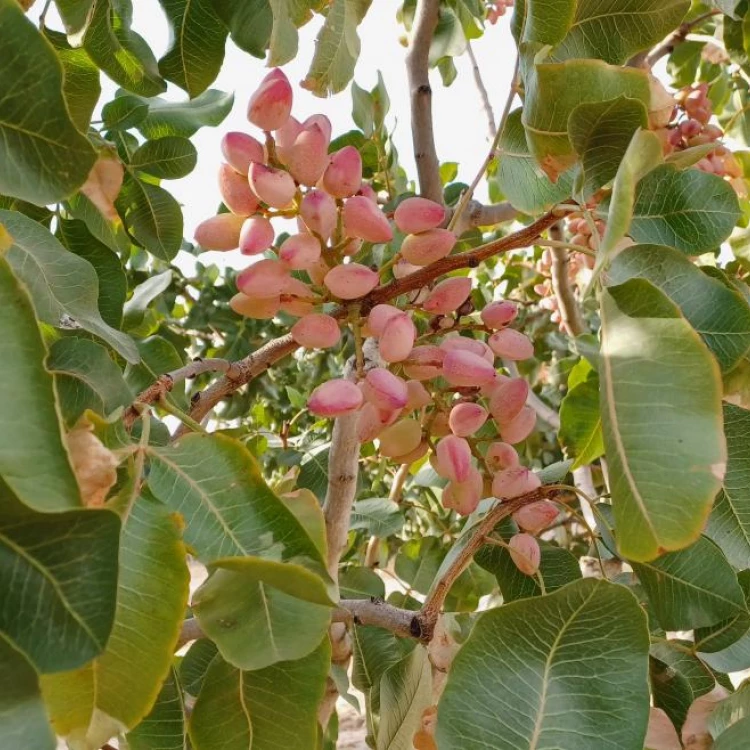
column 570, row 310
column 417, row 69
column 402, row 622
column 165, row 383
column 676, row 38
column 343, row 466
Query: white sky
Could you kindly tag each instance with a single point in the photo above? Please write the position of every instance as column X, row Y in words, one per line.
column 460, row 125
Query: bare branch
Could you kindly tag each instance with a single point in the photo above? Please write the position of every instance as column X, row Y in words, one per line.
column 676, row 38
column 479, row 215
column 483, row 93
column 165, row 383
column 417, row 69
column 402, row 622
column 570, row 310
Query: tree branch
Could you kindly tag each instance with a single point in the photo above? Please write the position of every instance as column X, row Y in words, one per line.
column 570, row 310
column 483, row 93
column 417, row 68
column 677, row 37
column 401, row 622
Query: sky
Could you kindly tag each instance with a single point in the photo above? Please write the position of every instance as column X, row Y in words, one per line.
column 460, row 124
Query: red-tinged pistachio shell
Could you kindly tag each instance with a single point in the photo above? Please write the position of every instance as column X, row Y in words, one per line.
column 536, row 516
column 367, row 192
column 335, row 398
column 427, row 247
column 450, row 343
column 418, row 396
column 384, row 389
column 511, row 344
column 271, row 104
column 489, row 390
column 454, row 458
column 372, row 421
column 514, row 482
column 468, row 369
column 318, row 272
column 499, row 314
column 318, row 212
column 424, row 362
column 256, row 236
column 259, row 308
column 397, row 339
column 343, row 175
column 295, row 306
column 440, row 427
column 520, row 428
column 400, row 438
column 284, row 138
column 319, row 121
column 266, row 278
column 308, row 155
column 464, row 497
column 350, row 281
column 274, row 187
column 466, row 418
column 352, row 247
column 316, row 331
column 364, row 219
column 501, row 456
column 418, row 215
column 379, row 316
column 402, row 269
column 508, row 399
column 235, row 192
column 525, row 553
column 221, row 232
column 300, row 251
column 448, row 295
column 240, row 149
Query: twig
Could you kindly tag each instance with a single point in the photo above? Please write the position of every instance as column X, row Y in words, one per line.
column 570, row 310
column 469, row 192
column 399, row 479
column 483, row 93
column 477, row 214
column 417, row 69
column 166, row 382
column 676, row 37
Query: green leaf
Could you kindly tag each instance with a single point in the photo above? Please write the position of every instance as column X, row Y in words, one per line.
column 110, row 234
column 360, row 583
column 275, row 707
column 337, row 48
column 164, row 728
column 677, row 679
column 313, row 473
column 195, row 664
column 86, row 377
column 124, row 112
column 378, row 516
column 519, row 178
column 44, row 157
column 691, row 588
column 288, row 15
column 734, row 738
column 59, row 581
column 418, row 562
column 729, row 522
column 691, row 210
column 168, row 158
column 730, row 710
column 143, row 295
column 118, row 689
column 23, row 720
column 375, row 650
column 121, row 53
column 655, row 370
column 564, row 671
column 615, row 30
column 581, row 423
column 153, row 217
column 75, row 14
column 554, row 90
column 62, row 285
column 186, row 118
column 215, row 484
column 250, row 23
column 405, row 692
column 113, row 285
column 196, row 52
column 33, row 460
column 719, row 314
column 600, row 133
column 558, row 567
column 256, row 625
column 81, row 86
column 548, row 21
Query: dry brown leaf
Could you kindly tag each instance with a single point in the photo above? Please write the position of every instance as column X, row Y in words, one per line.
column 94, row 465
column 103, row 185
